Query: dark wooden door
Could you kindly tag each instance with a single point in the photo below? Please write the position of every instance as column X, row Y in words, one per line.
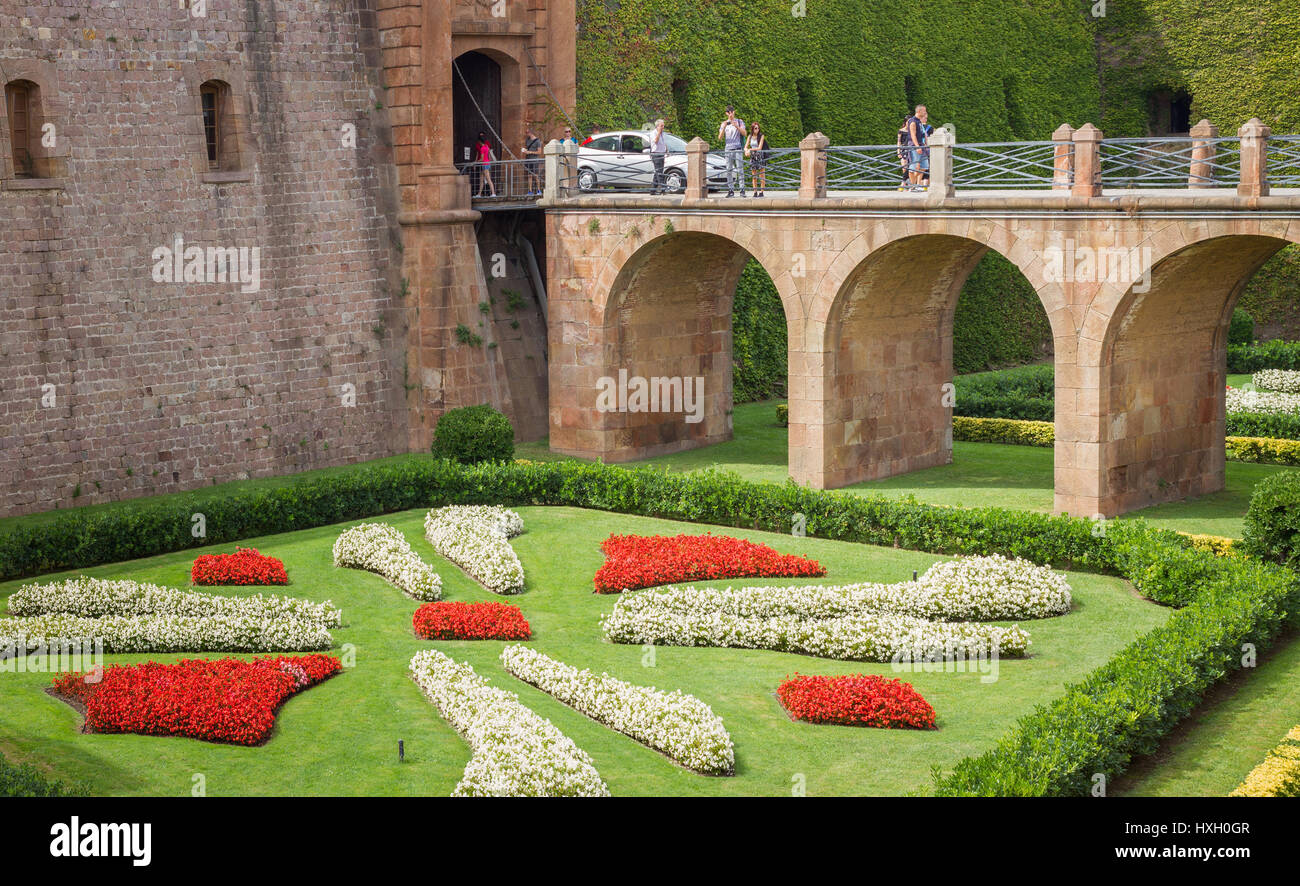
column 476, row 104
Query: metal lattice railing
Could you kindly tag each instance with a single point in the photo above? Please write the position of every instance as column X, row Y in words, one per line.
column 782, row 168
column 1170, row 162
column 1284, row 161
column 864, row 168
column 994, row 166
column 507, row 180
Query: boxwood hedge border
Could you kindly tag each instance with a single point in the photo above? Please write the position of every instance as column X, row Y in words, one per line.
column 1227, row 605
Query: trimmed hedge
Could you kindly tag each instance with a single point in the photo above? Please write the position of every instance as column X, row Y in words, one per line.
column 1027, row 393
column 1119, row 710
column 1276, row 354
column 783, row 414
column 471, row 434
column 1262, row 424
column 1003, row 430
column 1264, row 450
column 1272, row 527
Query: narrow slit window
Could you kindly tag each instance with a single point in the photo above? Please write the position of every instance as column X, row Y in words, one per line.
column 18, row 98
column 210, row 94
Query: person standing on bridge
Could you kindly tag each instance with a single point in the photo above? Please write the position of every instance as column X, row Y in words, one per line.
column 658, row 153
column 732, row 134
column 533, row 162
column 756, row 151
column 918, row 150
column 483, row 150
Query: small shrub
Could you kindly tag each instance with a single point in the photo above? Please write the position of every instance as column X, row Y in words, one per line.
column 783, row 415
column 1272, row 528
column 473, row 434
column 1241, row 330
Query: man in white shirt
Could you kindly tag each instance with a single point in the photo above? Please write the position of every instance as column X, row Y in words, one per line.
column 732, row 133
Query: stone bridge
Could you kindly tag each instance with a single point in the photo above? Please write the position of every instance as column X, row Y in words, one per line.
column 1139, row 285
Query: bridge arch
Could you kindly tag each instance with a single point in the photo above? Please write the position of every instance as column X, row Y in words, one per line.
column 1160, row 364
column 875, row 400
column 658, row 307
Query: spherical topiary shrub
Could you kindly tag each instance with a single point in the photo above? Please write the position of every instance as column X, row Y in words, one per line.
column 473, row 434
column 1241, row 330
column 1272, row 528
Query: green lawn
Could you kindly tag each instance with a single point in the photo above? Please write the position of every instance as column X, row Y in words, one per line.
column 341, row 737
column 981, row 474
column 1227, row 735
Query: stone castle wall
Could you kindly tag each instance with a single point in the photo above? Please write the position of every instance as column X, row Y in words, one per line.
column 114, row 385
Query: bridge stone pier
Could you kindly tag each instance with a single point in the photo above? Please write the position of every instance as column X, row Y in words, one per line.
column 1138, row 287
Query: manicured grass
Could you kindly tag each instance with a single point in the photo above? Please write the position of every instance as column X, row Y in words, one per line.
column 981, row 474
column 1228, row 735
column 340, row 738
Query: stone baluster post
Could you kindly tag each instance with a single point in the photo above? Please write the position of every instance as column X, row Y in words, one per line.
column 1087, row 161
column 1254, row 159
column 942, row 141
column 697, row 169
column 1201, row 173
column 812, row 166
column 1063, row 158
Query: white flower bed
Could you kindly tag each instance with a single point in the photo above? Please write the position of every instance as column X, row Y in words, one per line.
column 967, row 589
column 680, row 726
column 382, row 549
column 866, row 636
column 1268, row 402
column 95, row 598
column 1286, row 381
column 477, row 539
column 164, row 633
column 516, row 753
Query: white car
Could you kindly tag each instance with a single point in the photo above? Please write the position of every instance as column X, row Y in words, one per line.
column 622, row 160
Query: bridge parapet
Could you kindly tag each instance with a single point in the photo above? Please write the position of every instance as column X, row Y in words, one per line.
column 1095, row 172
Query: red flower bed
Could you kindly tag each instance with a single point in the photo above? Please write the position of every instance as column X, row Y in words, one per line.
column 471, row 621
column 643, row 561
column 224, row 699
column 856, row 700
column 244, row 567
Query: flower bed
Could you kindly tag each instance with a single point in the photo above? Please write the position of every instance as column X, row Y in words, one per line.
column 858, row 637
column 640, row 561
column 383, row 550
column 516, row 753
column 477, row 539
column 856, row 700
column 164, row 633
column 225, row 700
column 95, row 598
column 247, row 566
column 470, row 621
column 1262, row 414
column 679, row 726
column 1286, row 381
column 1097, row 725
column 1278, row 775
column 990, row 588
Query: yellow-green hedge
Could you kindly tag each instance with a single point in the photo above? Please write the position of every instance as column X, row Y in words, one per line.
column 1003, row 430
column 783, row 414
column 1278, row 775
column 1266, row 450
column 1215, row 544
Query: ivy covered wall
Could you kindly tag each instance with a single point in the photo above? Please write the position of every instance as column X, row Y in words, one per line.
column 999, row 70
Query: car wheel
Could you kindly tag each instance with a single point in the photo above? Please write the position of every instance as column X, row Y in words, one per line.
column 586, row 179
column 675, row 181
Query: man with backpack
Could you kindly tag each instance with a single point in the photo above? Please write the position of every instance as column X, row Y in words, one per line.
column 918, row 170
column 732, row 133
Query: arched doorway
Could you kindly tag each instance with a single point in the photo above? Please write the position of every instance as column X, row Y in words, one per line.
column 476, row 104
